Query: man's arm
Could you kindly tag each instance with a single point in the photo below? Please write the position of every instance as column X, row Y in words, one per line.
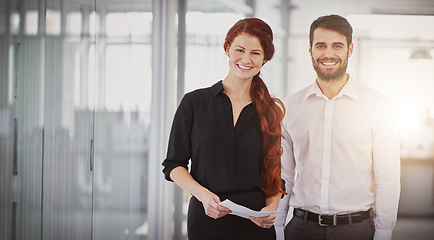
column 386, row 166
column 288, row 170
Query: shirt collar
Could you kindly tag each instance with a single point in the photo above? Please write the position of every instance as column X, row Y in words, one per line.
column 217, row 88
column 349, row 89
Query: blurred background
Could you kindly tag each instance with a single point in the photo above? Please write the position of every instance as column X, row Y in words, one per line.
column 88, row 89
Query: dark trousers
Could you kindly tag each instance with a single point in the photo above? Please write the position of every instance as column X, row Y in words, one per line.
column 303, row 229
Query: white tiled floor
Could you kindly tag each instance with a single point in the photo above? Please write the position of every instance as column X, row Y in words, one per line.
column 414, row 229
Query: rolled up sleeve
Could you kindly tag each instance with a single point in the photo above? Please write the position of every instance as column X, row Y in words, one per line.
column 179, row 147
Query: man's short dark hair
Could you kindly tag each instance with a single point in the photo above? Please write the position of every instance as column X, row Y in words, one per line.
column 332, row 22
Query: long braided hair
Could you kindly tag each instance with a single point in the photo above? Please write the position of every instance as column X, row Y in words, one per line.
column 271, row 110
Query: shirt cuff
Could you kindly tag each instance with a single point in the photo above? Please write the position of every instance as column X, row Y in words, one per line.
column 280, row 232
column 382, row 234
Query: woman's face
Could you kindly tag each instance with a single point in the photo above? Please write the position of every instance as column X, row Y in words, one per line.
column 246, row 57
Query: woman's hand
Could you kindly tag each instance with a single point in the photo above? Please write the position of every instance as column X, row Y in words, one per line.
column 209, row 200
column 265, row 222
column 271, row 204
column 210, row 203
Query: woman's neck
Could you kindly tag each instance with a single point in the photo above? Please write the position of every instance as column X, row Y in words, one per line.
column 237, row 88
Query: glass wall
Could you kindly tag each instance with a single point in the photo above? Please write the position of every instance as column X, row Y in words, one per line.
column 123, row 83
column 75, row 107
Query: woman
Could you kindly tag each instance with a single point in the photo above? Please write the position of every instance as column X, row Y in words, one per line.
column 231, row 133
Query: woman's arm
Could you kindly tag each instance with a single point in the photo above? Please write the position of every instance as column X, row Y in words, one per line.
column 210, row 201
column 272, row 203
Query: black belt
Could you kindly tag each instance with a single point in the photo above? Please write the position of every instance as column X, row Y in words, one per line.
column 326, row 220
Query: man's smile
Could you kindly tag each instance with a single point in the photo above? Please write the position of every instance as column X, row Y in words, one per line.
column 329, row 62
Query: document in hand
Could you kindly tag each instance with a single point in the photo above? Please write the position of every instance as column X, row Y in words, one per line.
column 243, row 211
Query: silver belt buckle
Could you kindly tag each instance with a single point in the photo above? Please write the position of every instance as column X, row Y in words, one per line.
column 320, row 221
column 335, row 220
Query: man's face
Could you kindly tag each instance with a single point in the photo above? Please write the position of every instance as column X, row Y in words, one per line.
column 329, row 53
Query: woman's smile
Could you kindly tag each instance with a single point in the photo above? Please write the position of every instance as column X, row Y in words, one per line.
column 244, row 67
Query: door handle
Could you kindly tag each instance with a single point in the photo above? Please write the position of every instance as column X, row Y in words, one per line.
column 91, row 155
column 15, row 149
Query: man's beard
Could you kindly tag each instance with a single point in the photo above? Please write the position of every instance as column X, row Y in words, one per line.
column 326, row 75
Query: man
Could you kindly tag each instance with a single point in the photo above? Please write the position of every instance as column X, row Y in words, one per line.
column 339, row 140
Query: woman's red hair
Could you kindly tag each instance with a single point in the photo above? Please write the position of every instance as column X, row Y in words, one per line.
column 271, row 110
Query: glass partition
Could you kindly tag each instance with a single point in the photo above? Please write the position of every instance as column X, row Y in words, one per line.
column 75, row 95
column 123, row 84
column 68, row 128
column 22, row 107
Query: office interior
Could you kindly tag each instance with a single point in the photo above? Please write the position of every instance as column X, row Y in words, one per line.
column 88, row 90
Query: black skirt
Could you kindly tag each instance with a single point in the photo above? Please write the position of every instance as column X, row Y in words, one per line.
column 202, row 227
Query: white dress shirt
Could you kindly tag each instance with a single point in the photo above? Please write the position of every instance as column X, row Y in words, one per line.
column 335, row 149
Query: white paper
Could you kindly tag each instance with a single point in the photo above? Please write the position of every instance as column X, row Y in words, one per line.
column 243, row 211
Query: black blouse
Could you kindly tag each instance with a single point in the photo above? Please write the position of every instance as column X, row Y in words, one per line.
column 224, row 158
